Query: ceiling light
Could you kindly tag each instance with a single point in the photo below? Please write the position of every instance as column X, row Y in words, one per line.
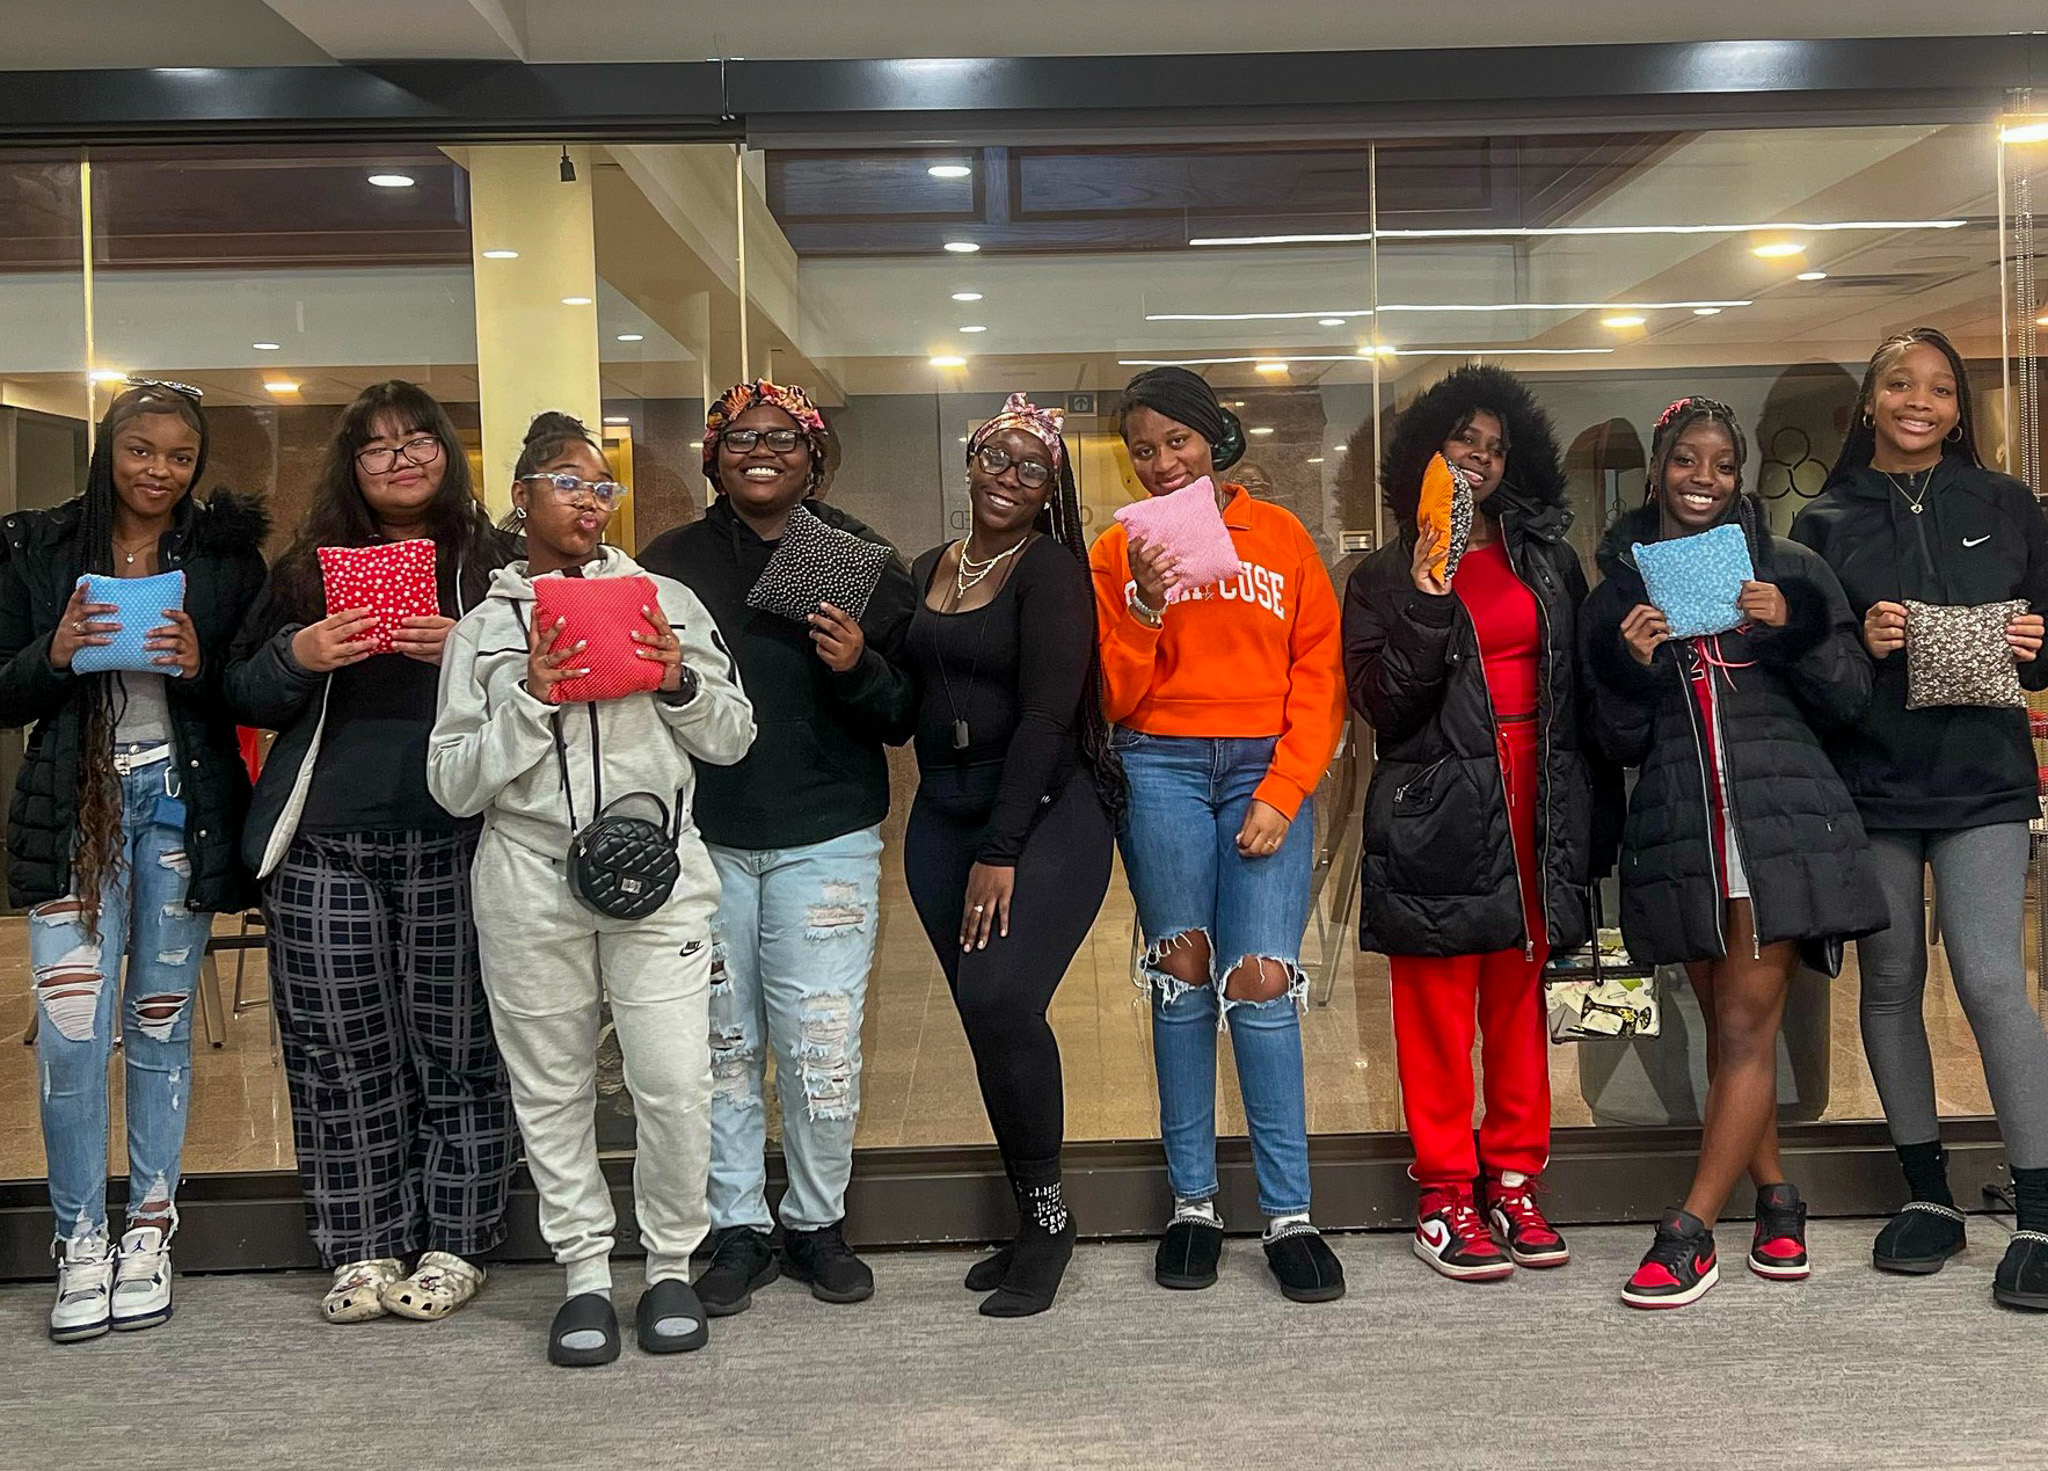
column 109, row 375
column 1330, row 321
column 974, row 329
column 632, row 337
column 1237, row 403
column 1269, row 367
column 967, row 296
column 1330, row 318
column 1342, row 449
column 1778, row 249
column 575, row 301
column 2042, row 320
column 1622, row 321
column 948, row 360
column 1533, row 232
column 1706, row 311
column 1811, row 276
column 2024, row 133
column 950, row 171
column 392, row 181
column 963, row 439
column 1313, row 460
column 962, row 247
column 617, row 419
column 281, row 385
column 265, row 346
column 501, row 255
column 1262, row 429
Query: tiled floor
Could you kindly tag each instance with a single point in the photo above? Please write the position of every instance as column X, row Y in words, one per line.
column 919, row 1081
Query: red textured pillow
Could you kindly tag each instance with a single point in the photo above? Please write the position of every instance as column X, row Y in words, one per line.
column 394, row 581
column 605, row 613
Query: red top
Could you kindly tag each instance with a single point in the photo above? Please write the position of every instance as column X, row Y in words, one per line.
column 1510, row 635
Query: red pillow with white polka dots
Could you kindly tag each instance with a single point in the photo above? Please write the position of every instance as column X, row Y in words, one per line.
column 395, row 581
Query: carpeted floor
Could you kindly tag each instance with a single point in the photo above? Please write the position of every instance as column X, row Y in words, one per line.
column 1848, row 1370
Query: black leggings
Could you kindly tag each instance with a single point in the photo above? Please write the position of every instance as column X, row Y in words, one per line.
column 1002, row 992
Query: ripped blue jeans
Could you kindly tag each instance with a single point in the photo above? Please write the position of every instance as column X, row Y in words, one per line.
column 1188, row 800
column 77, row 981
column 795, row 935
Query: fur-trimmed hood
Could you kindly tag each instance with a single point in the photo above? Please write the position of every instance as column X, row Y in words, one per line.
column 1535, row 468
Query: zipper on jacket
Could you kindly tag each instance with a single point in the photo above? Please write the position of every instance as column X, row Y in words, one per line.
column 1506, row 797
column 1756, row 944
column 1542, row 759
column 1692, row 710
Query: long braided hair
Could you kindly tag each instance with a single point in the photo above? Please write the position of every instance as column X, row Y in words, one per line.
column 1670, row 428
column 1061, row 520
column 97, row 853
column 1861, row 443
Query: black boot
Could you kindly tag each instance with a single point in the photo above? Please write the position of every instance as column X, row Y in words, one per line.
column 1044, row 1246
column 1921, row 1238
column 2022, row 1280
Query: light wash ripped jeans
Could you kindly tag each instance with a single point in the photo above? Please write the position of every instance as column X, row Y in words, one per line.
column 795, row 936
column 77, row 982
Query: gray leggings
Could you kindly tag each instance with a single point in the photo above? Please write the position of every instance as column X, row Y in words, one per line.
column 1980, row 878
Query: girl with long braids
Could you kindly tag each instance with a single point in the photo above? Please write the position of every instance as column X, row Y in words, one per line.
column 1910, row 511
column 1227, row 701
column 1008, row 848
column 1741, row 842
column 401, row 1119
column 122, row 828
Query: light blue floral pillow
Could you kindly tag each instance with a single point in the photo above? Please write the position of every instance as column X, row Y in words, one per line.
column 1695, row 580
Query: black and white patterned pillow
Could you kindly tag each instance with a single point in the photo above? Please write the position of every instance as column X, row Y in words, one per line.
column 817, row 564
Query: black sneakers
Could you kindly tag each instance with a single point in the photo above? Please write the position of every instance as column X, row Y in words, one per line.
column 1920, row 1239
column 1777, row 1250
column 741, row 1261
column 1680, row 1266
column 824, row 1260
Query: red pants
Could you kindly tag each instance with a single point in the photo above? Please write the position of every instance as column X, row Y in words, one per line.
column 1438, row 1001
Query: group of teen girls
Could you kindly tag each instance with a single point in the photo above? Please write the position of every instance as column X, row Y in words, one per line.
column 438, row 985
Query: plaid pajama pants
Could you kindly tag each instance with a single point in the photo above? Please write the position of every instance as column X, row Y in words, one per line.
column 401, row 1114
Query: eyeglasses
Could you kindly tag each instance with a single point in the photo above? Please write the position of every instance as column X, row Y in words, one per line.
column 742, row 441
column 381, row 459
column 569, row 489
column 171, row 383
column 1031, row 474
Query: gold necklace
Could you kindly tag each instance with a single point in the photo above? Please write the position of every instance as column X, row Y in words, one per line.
column 1914, row 503
column 130, row 556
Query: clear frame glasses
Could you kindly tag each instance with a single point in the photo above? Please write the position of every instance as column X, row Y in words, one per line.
column 569, row 489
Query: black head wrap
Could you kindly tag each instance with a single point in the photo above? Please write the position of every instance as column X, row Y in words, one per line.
column 1187, row 398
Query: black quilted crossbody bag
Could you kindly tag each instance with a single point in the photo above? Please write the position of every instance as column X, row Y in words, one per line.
column 625, row 867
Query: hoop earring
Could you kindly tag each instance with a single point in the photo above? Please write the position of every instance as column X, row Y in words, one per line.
column 1955, row 435
column 1868, row 422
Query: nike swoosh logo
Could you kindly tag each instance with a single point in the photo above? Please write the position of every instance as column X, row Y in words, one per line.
column 1435, row 1235
column 1977, row 543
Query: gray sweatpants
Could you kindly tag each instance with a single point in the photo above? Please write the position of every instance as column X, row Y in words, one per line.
column 544, row 957
column 1980, row 879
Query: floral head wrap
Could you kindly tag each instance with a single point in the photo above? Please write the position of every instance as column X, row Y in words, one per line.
column 1020, row 412
column 792, row 400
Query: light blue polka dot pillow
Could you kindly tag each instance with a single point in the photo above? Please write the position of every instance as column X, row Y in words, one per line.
column 1694, row 580
column 139, row 604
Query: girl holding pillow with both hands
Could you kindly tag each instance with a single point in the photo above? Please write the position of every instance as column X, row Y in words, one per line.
column 1911, row 512
column 501, row 749
column 1741, row 842
column 1228, row 701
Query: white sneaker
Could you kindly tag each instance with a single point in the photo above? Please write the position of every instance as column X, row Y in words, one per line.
column 440, row 1284
column 85, row 1278
column 356, row 1294
column 142, row 1285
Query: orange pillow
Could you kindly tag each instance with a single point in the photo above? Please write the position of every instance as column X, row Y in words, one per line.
column 1446, row 505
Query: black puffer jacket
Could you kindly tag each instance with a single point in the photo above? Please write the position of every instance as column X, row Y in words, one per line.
column 218, row 545
column 1439, row 872
column 1801, row 843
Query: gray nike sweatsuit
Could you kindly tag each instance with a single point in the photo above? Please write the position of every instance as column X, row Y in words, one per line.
column 547, row 959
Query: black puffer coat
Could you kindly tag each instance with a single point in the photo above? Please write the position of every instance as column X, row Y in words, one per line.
column 1801, row 843
column 218, row 545
column 1439, row 872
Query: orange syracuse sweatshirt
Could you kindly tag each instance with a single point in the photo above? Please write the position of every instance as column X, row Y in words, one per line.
column 1259, row 655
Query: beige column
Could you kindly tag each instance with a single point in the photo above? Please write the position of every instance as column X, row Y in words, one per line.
column 536, row 314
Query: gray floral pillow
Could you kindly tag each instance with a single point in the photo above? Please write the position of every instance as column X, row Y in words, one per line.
column 1959, row 656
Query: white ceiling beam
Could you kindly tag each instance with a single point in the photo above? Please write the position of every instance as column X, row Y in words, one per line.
column 425, row 30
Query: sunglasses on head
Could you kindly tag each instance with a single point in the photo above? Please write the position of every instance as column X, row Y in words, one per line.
column 172, row 384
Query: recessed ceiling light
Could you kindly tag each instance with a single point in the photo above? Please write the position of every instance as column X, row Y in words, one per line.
column 1623, row 321
column 632, row 337
column 949, row 171
column 575, row 301
column 962, row 247
column 948, row 360
column 1330, row 321
column 1811, row 276
column 974, row 329
column 1706, row 311
column 281, row 385
column 2024, row 133
column 265, row 346
column 967, row 296
column 392, row 181
column 1237, row 403
column 617, row 419
column 1778, row 249
column 2042, row 320
column 501, row 255
column 1313, row 460
column 1342, row 449
column 109, row 375
column 1262, row 430
column 1269, row 367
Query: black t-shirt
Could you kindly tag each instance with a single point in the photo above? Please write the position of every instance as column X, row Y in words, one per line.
column 1013, row 675
column 371, row 774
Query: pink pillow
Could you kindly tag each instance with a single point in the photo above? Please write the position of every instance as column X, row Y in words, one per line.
column 394, row 580
column 605, row 612
column 1187, row 524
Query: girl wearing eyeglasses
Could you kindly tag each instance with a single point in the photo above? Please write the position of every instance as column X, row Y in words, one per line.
column 121, row 829
column 401, row 1119
column 795, row 831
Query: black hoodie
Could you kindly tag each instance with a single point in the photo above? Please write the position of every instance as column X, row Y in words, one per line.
column 816, row 770
column 1981, row 539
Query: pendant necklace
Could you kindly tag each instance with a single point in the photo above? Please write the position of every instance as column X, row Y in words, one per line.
column 1914, row 503
column 129, row 557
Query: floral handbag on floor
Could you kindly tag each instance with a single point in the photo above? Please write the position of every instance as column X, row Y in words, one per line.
column 1598, row 992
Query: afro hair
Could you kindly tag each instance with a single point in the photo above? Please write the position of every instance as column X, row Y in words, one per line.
column 1535, row 470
